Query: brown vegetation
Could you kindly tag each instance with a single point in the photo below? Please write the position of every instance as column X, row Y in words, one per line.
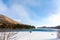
column 6, row 22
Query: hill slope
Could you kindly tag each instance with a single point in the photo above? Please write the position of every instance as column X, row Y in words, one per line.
column 5, row 19
column 6, row 22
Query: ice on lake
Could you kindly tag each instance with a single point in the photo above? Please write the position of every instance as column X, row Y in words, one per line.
column 34, row 35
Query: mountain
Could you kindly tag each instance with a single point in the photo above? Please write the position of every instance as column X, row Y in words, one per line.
column 6, row 22
column 5, row 19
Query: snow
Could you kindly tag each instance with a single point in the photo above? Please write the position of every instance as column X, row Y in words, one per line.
column 35, row 35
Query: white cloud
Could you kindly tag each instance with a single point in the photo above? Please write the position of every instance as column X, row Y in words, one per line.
column 33, row 2
column 26, row 2
column 54, row 18
column 3, row 7
column 22, row 13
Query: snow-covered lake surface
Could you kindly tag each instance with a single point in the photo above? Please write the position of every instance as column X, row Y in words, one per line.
column 34, row 35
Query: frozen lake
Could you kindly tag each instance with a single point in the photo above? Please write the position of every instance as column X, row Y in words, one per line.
column 34, row 35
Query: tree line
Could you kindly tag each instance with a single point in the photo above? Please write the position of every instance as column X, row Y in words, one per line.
column 16, row 26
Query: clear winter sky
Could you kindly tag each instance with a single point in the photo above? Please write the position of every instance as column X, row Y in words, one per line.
column 34, row 12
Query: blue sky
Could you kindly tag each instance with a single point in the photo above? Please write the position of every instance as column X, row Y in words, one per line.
column 33, row 12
